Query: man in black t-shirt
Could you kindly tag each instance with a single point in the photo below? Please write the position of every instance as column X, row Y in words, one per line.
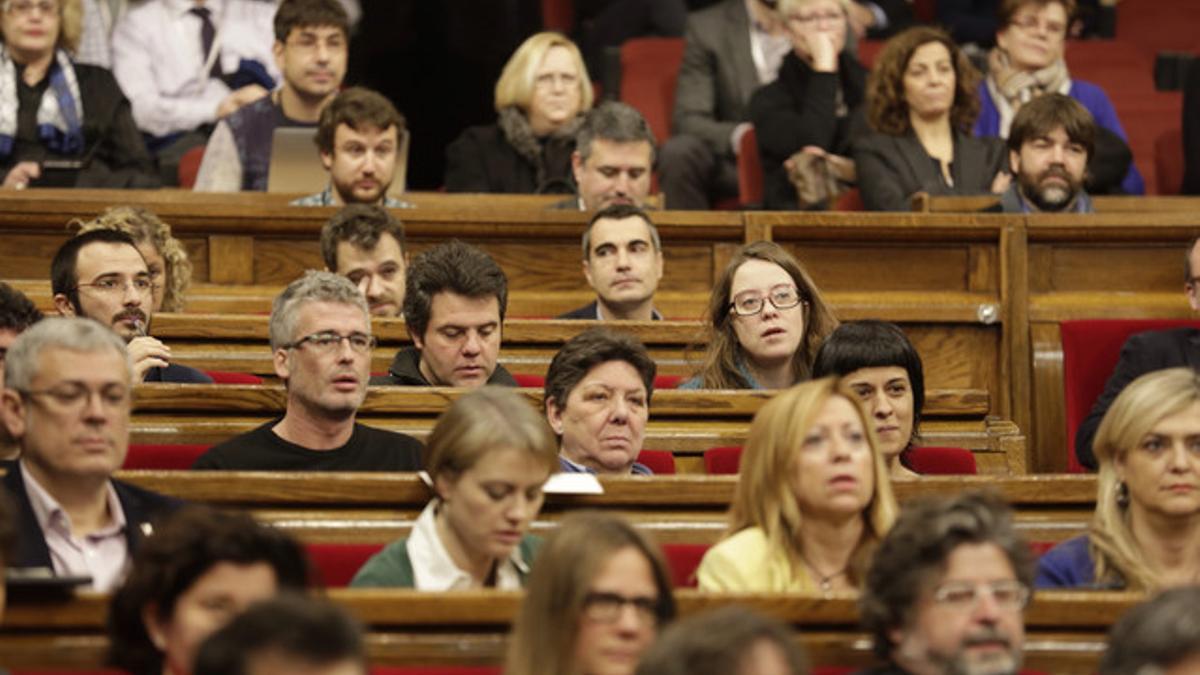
column 321, row 341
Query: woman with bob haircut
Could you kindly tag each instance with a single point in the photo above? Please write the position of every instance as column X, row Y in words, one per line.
column 170, row 269
column 766, row 319
column 810, row 105
column 61, row 110
column 882, row 368
column 595, row 602
column 921, row 103
column 200, row 569
column 1145, row 534
column 487, row 457
column 541, row 98
column 813, row 498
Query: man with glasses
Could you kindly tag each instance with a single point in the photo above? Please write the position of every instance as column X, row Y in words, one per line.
column 1145, row 353
column 321, row 343
column 312, row 40
column 947, row 588
column 101, row 275
column 67, row 404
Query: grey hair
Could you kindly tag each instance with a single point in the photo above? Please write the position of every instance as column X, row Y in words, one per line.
column 314, row 286
column 1155, row 635
column 615, row 122
column 72, row 333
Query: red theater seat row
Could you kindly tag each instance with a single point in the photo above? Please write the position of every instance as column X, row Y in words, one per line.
column 927, row 460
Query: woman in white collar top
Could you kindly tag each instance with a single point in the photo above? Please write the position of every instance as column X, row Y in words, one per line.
column 488, row 457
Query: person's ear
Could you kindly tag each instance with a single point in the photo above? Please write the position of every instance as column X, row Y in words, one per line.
column 63, row 304
column 155, row 629
column 1014, row 163
column 327, row 160
column 279, row 360
column 587, row 273
column 554, row 415
column 443, row 485
column 277, row 50
column 577, row 166
column 12, row 413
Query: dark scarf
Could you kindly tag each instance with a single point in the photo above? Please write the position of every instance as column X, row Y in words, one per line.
column 515, row 126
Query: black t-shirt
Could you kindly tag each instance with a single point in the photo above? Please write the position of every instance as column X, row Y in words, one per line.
column 262, row 449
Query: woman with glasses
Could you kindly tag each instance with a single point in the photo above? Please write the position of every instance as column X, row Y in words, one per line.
column 541, row 98
column 921, row 103
column 487, row 458
column 766, row 319
column 170, row 269
column 595, row 602
column 1027, row 62
column 62, row 124
column 809, row 106
column 1145, row 534
column 812, row 500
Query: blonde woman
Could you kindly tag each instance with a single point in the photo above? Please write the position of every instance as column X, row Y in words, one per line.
column 766, row 321
column 488, row 457
column 1146, row 531
column 812, row 501
column 541, row 98
column 596, row 600
column 170, row 269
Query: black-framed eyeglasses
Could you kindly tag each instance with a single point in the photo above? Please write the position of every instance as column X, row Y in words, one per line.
column 783, row 296
column 73, row 396
column 1008, row 594
column 607, row 607
column 115, row 285
column 328, row 341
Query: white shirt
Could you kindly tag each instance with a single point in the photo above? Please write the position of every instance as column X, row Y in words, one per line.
column 767, row 50
column 434, row 569
column 102, row 555
column 156, row 55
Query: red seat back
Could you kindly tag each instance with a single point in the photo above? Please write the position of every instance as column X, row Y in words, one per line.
column 942, row 461
column 336, row 564
column 189, row 167
column 749, row 169
column 649, row 68
column 722, row 460
column 659, row 461
column 1168, row 161
column 530, row 381
column 227, row 377
column 558, row 15
column 667, row 381
column 684, row 560
column 1091, row 349
column 164, row 456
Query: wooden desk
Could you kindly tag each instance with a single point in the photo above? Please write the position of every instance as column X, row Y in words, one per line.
column 1065, row 632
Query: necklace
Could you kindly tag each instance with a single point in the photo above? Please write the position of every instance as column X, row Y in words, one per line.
column 824, row 581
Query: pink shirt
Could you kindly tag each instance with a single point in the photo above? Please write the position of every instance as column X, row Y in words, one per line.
column 103, row 555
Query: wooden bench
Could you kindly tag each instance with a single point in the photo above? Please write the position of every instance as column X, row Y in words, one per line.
column 925, row 203
column 1065, row 632
column 684, row 422
column 378, row 508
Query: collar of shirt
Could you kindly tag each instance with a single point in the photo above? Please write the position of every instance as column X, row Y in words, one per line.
column 567, row 466
column 435, row 570
column 653, row 313
column 180, row 8
column 50, row 514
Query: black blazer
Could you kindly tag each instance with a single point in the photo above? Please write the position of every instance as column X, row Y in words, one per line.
column 1142, row 353
column 482, row 160
column 893, row 168
column 142, row 509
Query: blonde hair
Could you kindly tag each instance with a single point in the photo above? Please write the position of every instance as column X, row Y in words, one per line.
column 546, row 629
column 765, row 496
column 1144, row 403
column 144, row 226
column 486, row 419
column 516, row 83
column 70, row 24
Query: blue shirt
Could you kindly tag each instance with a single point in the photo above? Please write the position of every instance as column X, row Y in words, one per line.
column 567, row 466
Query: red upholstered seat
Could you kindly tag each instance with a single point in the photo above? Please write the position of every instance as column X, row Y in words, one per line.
column 659, row 461
column 722, row 460
column 649, row 68
column 558, row 15
column 531, row 381
column 189, row 167
column 942, row 461
column 227, row 377
column 684, row 559
column 667, row 381
column 1039, row 548
column 336, row 564
column 749, row 169
column 1168, row 161
column 164, row 456
column 1091, row 349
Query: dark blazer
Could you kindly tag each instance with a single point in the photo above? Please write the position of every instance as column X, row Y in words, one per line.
column 142, row 509
column 119, row 158
column 717, row 75
column 893, row 168
column 589, row 311
column 1142, row 353
column 482, row 160
column 799, row 109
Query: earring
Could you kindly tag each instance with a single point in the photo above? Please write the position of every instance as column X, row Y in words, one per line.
column 1122, row 495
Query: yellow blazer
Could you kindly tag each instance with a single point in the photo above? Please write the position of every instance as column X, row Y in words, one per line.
column 746, row 563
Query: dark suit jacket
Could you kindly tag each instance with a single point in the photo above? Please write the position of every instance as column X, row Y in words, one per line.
column 588, row 311
column 717, row 75
column 142, row 509
column 1143, row 353
column 893, row 168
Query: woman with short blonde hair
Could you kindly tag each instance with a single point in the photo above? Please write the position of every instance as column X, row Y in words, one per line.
column 487, row 458
column 813, row 498
column 541, row 98
column 1145, row 534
